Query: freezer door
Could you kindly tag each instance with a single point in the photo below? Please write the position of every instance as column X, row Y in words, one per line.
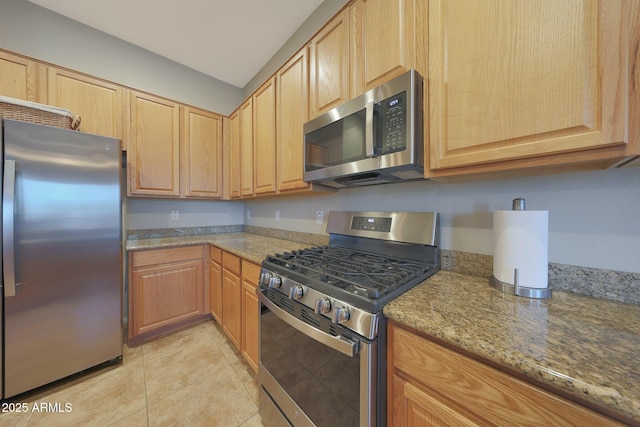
column 66, row 314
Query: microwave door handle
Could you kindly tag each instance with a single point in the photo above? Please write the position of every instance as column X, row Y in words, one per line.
column 368, row 132
column 339, row 343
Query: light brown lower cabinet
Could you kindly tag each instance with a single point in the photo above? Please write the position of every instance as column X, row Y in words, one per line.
column 234, row 303
column 250, row 313
column 215, row 278
column 232, row 298
column 431, row 385
column 167, row 291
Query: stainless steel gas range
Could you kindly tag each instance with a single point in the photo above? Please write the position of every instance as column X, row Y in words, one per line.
column 322, row 330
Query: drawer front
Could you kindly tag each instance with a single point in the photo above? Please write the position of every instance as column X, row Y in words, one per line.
column 163, row 256
column 250, row 272
column 216, row 254
column 231, row 262
column 481, row 389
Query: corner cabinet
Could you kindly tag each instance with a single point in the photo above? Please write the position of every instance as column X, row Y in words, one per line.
column 153, row 157
column 533, row 82
column 232, row 155
column 429, row 384
column 167, row 291
column 246, row 148
column 201, row 169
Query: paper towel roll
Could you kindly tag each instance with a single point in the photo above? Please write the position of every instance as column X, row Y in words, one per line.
column 521, row 240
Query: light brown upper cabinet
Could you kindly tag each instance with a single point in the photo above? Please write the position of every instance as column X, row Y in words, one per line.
column 514, row 85
column 389, row 40
column 19, row 77
column 98, row 103
column 291, row 116
column 264, row 138
column 246, row 148
column 201, row 174
column 233, row 155
column 153, row 157
column 329, row 71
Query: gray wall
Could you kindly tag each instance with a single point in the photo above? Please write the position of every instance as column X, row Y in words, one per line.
column 594, row 217
column 37, row 32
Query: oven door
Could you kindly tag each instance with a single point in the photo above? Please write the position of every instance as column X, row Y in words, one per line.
column 313, row 372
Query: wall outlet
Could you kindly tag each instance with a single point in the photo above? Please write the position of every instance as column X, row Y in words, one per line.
column 175, row 215
column 320, row 217
column 248, row 213
column 277, row 215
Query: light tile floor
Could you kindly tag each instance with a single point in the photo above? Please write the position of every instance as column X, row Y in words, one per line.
column 190, row 378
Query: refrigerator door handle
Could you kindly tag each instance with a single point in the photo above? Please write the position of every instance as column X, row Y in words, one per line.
column 8, row 256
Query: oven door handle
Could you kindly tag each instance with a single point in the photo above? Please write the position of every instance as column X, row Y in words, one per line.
column 339, row 343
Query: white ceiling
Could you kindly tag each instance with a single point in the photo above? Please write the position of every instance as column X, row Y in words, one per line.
column 230, row 40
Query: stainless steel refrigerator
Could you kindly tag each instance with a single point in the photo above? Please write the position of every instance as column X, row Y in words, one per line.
column 61, row 254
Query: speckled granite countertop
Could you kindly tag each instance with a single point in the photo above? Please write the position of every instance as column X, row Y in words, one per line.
column 252, row 247
column 584, row 346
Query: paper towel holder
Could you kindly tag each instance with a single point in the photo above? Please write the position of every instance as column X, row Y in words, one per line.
column 515, row 289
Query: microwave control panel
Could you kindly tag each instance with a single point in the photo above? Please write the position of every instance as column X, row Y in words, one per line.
column 393, row 119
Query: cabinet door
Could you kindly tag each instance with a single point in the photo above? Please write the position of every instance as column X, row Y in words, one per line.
column 264, row 138
column 329, row 65
column 291, row 116
column 19, row 77
column 390, row 39
column 455, row 389
column 246, row 148
column 97, row 102
column 215, row 277
column 232, row 298
column 233, row 155
column 413, row 407
column 516, row 80
column 250, row 313
column 153, row 158
column 166, row 294
column 202, row 154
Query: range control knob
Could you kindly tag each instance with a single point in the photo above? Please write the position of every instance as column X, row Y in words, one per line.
column 296, row 292
column 322, row 306
column 265, row 276
column 340, row 315
column 275, row 281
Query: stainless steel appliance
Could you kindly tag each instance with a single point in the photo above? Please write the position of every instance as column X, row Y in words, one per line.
column 61, row 254
column 375, row 138
column 322, row 330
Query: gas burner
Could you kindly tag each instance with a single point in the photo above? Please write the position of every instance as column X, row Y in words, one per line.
column 361, row 273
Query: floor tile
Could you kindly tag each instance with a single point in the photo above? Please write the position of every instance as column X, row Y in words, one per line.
column 216, row 400
column 193, row 377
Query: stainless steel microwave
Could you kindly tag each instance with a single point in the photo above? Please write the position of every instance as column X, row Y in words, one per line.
column 375, row 138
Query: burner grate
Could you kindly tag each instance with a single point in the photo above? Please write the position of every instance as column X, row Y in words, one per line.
column 362, row 273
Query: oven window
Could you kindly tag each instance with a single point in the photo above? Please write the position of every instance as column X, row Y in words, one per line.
column 323, row 382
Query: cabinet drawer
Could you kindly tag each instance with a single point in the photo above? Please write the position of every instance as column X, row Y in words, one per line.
column 482, row 390
column 216, row 254
column 162, row 256
column 250, row 272
column 231, row 262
